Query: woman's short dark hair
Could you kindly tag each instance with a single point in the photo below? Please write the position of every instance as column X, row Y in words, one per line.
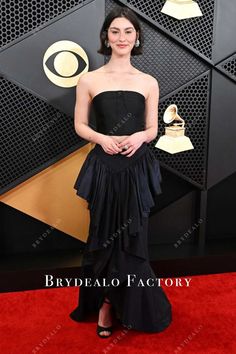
column 131, row 16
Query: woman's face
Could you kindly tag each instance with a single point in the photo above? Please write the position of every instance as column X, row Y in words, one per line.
column 121, row 35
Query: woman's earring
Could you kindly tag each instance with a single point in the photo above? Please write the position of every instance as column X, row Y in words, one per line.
column 137, row 43
column 107, row 44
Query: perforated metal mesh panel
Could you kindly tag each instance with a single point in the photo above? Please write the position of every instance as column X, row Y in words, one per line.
column 21, row 16
column 192, row 103
column 34, row 133
column 228, row 66
column 196, row 32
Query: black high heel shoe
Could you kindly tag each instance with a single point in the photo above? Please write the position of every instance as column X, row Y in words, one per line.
column 101, row 328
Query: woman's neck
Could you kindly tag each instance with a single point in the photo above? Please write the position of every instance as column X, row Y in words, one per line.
column 119, row 65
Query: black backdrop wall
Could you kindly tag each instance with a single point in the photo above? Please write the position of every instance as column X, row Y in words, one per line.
column 194, row 61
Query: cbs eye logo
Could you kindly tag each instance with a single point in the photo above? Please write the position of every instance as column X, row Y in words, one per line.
column 64, row 62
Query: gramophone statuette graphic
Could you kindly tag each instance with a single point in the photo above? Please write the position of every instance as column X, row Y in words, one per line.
column 174, row 139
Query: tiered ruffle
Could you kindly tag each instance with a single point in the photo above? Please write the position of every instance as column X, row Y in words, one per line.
column 120, row 191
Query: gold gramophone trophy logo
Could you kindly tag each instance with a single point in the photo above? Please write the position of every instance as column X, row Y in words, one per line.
column 174, row 139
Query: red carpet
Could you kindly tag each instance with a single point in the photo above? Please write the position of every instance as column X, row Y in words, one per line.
column 203, row 322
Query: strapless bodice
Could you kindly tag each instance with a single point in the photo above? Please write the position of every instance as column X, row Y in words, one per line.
column 119, row 112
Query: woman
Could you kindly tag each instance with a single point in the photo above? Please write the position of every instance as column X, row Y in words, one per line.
column 119, row 179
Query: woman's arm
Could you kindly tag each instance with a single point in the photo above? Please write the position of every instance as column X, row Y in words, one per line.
column 135, row 140
column 81, row 112
column 151, row 111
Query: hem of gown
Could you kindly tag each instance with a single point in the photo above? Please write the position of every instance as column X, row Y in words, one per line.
column 83, row 313
column 164, row 324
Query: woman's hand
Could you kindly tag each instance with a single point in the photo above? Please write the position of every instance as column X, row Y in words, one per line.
column 110, row 145
column 133, row 142
column 119, row 138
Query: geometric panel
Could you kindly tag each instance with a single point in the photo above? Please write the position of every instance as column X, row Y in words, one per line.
column 224, row 44
column 22, row 16
column 228, row 67
column 171, row 64
column 221, row 210
column 49, row 197
column 27, row 71
column 196, row 33
column 192, row 102
column 35, row 135
column 222, row 132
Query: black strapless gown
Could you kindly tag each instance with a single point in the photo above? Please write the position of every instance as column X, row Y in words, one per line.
column 120, row 191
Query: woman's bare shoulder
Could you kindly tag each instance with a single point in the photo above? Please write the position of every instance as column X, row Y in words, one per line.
column 152, row 81
column 148, row 83
column 88, row 78
column 93, row 73
column 87, row 81
column 148, row 79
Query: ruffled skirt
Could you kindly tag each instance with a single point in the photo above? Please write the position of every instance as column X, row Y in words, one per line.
column 120, row 192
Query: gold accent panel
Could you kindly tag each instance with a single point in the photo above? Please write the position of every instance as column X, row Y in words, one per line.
column 50, row 197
